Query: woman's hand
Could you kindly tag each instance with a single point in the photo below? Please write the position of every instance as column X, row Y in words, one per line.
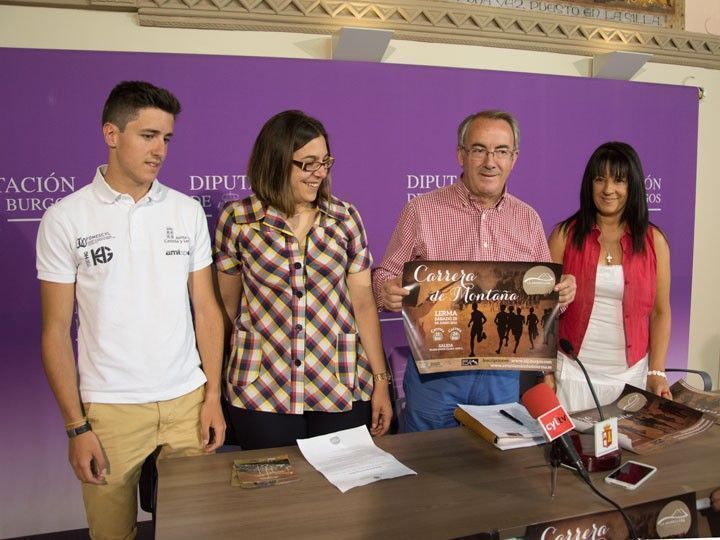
column 381, row 408
column 658, row 385
column 566, row 289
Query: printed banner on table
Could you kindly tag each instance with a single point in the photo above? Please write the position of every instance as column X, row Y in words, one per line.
column 481, row 315
column 674, row 517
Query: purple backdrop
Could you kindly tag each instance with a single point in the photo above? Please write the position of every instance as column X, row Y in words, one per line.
column 392, row 131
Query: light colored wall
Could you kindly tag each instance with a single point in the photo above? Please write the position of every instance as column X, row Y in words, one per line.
column 702, row 16
column 46, row 28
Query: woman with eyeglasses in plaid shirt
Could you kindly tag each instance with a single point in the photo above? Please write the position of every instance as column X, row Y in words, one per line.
column 293, row 263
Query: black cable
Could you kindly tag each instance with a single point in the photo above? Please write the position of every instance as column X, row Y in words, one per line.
column 567, row 348
column 631, row 528
column 592, row 390
column 586, row 478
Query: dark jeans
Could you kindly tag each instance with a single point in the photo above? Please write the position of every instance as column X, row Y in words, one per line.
column 258, row 429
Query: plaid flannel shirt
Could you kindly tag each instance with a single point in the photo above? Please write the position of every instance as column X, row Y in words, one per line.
column 295, row 346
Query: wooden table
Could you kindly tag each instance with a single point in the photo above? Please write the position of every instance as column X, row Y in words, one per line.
column 463, row 486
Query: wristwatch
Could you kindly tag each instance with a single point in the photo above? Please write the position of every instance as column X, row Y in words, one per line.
column 74, row 432
column 384, row 376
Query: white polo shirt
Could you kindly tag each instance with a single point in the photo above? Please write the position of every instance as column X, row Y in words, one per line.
column 130, row 264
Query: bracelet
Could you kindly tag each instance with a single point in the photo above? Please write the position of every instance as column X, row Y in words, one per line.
column 657, row 373
column 76, row 423
column 384, row 376
column 74, row 432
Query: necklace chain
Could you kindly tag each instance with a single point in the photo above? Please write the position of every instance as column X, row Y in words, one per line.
column 605, row 244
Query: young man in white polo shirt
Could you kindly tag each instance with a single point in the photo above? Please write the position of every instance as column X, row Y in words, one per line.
column 134, row 255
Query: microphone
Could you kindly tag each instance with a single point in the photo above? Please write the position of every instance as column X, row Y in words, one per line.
column 542, row 403
column 567, row 348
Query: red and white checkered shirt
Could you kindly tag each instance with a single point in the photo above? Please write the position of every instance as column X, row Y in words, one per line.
column 295, row 347
column 450, row 224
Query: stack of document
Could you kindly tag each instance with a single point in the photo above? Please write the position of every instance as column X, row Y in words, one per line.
column 506, row 426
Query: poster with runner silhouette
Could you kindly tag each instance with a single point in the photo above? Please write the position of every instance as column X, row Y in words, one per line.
column 481, row 315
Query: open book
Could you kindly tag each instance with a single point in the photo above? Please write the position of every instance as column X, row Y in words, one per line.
column 496, row 428
column 647, row 422
column 707, row 402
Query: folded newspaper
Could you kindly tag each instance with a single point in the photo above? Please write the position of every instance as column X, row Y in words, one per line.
column 647, row 422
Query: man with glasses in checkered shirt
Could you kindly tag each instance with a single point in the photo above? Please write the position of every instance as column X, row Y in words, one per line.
column 429, row 228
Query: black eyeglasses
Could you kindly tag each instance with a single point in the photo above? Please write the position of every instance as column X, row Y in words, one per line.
column 480, row 153
column 312, row 166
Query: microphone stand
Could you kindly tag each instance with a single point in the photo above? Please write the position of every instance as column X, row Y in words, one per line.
column 555, row 462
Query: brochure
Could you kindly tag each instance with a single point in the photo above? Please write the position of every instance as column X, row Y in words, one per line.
column 263, row 472
column 706, row 402
column 647, row 422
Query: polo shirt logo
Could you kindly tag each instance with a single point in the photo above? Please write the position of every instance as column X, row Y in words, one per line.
column 172, row 238
column 101, row 255
column 86, row 241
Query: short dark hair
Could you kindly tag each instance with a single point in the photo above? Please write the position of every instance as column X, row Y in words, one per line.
column 491, row 114
column 271, row 160
column 619, row 160
column 128, row 97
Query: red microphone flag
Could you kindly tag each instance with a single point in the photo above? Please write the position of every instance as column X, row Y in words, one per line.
column 542, row 403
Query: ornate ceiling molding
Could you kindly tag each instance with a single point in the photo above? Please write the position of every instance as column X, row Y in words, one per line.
column 420, row 20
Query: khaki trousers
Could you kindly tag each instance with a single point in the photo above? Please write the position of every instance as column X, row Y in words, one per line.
column 128, row 434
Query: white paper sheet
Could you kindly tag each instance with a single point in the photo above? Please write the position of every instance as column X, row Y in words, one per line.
column 349, row 458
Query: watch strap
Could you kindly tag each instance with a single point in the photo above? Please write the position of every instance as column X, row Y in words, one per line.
column 74, row 432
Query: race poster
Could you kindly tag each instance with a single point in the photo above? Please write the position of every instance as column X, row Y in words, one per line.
column 481, row 315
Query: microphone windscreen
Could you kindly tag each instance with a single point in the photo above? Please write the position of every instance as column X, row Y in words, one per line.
column 539, row 400
column 566, row 347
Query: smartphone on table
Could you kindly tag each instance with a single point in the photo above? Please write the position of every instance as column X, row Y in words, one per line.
column 631, row 474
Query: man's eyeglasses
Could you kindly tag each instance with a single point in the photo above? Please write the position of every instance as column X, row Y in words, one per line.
column 479, row 153
column 312, row 166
